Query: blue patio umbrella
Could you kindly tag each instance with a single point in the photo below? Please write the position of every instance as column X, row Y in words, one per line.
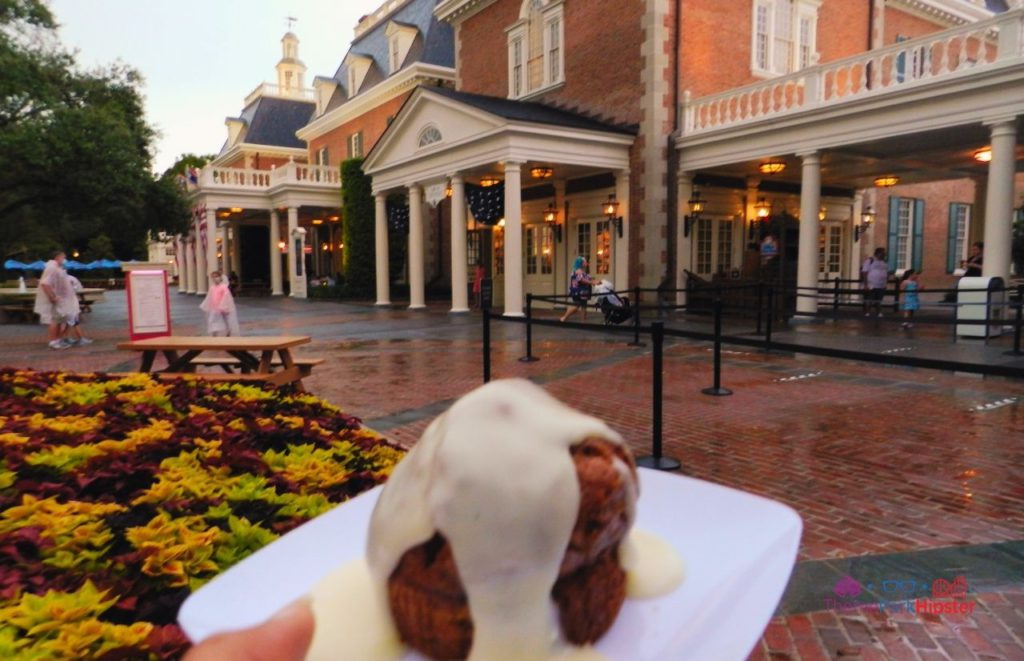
column 95, row 264
column 37, row 265
column 109, row 264
column 14, row 265
column 73, row 265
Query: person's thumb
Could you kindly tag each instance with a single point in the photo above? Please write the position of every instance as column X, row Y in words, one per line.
column 284, row 637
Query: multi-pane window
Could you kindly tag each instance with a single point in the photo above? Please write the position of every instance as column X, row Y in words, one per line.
column 901, row 258
column 959, row 226
column 536, row 55
column 906, row 233
column 583, row 239
column 532, row 252
column 539, row 250
column 322, row 156
column 394, row 54
column 355, row 145
column 724, row 244
column 499, row 250
column 603, row 259
column 704, row 245
column 784, row 35
column 547, row 250
column 714, row 242
column 473, row 248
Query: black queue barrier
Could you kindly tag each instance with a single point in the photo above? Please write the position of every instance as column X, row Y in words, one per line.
column 717, row 390
column 656, row 459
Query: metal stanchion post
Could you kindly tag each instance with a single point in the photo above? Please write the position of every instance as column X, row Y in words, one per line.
column 656, row 460
column 1019, row 320
column 768, row 321
column 760, row 306
column 717, row 390
column 529, row 357
column 835, row 300
column 636, row 319
column 487, row 345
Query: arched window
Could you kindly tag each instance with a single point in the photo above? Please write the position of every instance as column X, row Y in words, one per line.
column 429, row 136
column 535, row 53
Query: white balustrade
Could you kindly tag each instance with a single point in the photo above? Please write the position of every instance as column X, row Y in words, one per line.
column 272, row 89
column 289, row 173
column 948, row 53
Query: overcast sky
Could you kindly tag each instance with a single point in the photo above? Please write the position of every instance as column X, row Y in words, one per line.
column 200, row 58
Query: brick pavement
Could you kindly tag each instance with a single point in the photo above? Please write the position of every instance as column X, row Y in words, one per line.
column 876, row 459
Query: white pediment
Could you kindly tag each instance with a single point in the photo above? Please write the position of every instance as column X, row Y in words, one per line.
column 456, row 123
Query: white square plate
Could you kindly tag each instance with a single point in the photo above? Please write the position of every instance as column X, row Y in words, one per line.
column 738, row 550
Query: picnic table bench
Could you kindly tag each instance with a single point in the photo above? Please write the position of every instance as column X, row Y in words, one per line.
column 253, row 355
column 14, row 303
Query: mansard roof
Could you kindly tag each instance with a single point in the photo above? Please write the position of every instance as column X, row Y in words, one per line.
column 274, row 121
column 435, row 43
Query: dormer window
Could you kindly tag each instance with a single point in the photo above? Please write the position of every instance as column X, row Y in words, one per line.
column 400, row 37
column 536, row 58
column 358, row 67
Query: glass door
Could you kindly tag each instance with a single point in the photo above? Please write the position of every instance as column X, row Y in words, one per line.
column 594, row 242
column 539, row 259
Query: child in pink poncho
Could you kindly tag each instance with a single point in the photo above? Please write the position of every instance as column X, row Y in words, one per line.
column 219, row 306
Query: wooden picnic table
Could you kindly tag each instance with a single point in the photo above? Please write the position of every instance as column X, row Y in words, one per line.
column 255, row 354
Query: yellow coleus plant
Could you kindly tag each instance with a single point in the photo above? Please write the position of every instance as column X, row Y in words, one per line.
column 76, row 529
column 178, row 549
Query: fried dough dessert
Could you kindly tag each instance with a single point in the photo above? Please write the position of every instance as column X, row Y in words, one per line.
column 500, row 531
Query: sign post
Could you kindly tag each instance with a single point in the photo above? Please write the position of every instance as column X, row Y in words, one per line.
column 149, row 306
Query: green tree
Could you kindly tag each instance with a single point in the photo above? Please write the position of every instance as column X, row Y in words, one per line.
column 358, row 229
column 99, row 247
column 75, row 146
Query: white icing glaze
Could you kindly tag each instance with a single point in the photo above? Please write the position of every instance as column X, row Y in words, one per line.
column 653, row 567
column 494, row 476
column 351, row 622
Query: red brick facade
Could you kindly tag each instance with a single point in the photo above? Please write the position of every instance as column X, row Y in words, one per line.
column 372, row 123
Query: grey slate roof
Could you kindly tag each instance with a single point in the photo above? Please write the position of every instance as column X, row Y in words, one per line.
column 997, row 6
column 437, row 42
column 531, row 111
column 273, row 121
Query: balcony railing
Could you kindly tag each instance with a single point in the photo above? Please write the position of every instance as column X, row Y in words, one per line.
column 299, row 174
column 972, row 47
column 271, row 89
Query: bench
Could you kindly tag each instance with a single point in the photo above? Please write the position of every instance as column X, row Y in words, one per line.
column 23, row 312
column 230, row 363
column 279, row 378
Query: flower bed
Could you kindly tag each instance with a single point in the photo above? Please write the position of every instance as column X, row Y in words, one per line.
column 120, row 496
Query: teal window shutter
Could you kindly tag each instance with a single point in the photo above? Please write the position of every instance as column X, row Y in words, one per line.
column 894, row 229
column 951, row 257
column 917, row 250
column 901, row 61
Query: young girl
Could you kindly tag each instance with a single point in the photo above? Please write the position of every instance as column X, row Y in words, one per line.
column 580, row 286
column 910, row 289
column 219, row 306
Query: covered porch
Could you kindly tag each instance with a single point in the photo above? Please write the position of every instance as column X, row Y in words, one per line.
column 520, row 187
column 835, row 145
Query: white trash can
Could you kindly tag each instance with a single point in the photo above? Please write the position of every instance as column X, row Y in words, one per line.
column 980, row 300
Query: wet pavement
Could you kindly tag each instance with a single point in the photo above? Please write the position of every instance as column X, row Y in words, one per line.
column 901, row 475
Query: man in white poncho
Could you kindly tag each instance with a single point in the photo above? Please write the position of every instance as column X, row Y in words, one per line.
column 54, row 294
column 219, row 306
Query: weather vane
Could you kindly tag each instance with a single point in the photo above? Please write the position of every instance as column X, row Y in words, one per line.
column 290, row 19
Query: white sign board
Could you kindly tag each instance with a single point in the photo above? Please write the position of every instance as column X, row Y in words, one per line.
column 149, row 310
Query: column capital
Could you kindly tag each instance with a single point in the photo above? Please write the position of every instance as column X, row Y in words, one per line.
column 380, row 197
column 810, row 156
column 511, row 165
column 415, row 188
column 685, row 178
column 753, row 182
column 456, row 177
column 1001, row 124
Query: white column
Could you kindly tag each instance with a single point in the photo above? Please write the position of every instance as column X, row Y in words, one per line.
column 295, row 288
column 513, row 239
column 999, row 201
column 201, row 274
column 276, row 286
column 460, row 297
column 190, row 266
column 225, row 250
column 179, row 244
column 417, row 298
column 381, row 248
column 621, row 254
column 856, row 247
column 212, row 262
column 236, row 248
column 807, row 256
column 684, row 250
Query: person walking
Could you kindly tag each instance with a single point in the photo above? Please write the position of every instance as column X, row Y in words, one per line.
column 219, row 306
column 580, row 287
column 70, row 311
column 54, row 290
column 911, row 302
column 874, row 274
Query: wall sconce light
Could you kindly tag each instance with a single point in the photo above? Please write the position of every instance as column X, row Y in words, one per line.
column 318, row 221
column 224, row 214
column 489, row 181
column 282, row 246
column 763, row 208
column 887, row 181
column 325, row 247
column 822, row 214
column 335, row 219
column 551, row 218
column 867, row 217
column 611, row 210
column 448, row 190
column 983, row 155
column 696, row 204
column 772, row 166
column 541, row 173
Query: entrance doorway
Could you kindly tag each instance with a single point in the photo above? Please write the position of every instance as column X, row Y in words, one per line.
column 539, row 260
column 593, row 241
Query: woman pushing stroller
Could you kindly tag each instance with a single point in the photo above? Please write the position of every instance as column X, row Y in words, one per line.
column 580, row 287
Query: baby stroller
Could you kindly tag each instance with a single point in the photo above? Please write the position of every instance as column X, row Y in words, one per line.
column 615, row 308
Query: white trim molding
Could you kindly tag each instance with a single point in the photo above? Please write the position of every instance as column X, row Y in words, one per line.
column 456, row 11
column 406, row 79
column 243, row 148
column 951, row 12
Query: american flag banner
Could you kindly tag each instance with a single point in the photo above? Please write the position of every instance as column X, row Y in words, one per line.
column 486, row 204
column 398, row 216
column 199, row 213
